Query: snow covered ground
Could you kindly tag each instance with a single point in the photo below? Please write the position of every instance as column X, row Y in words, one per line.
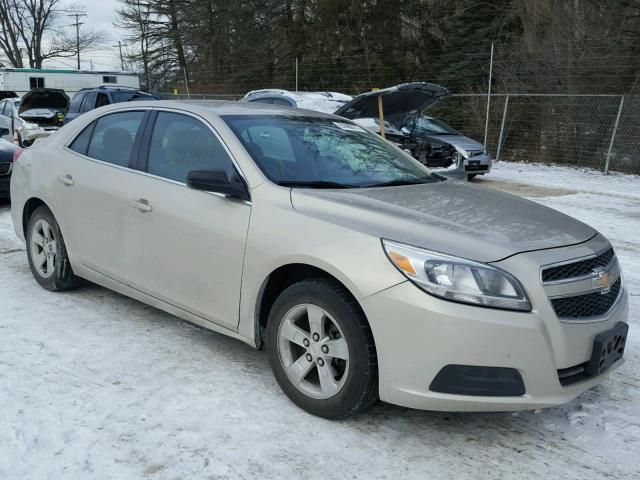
column 94, row 385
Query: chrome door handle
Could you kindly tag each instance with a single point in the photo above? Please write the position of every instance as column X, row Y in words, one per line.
column 142, row 205
column 67, row 180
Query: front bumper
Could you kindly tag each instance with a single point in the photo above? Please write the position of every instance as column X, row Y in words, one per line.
column 478, row 165
column 417, row 335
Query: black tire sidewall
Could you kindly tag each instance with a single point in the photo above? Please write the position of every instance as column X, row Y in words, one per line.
column 60, row 278
column 356, row 391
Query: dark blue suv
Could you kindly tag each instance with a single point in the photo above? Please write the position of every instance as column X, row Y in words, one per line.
column 90, row 98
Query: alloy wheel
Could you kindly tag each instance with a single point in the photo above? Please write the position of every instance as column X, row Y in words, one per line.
column 44, row 248
column 313, row 351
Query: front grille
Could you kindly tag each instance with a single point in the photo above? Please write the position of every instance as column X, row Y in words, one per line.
column 5, row 168
column 593, row 304
column 577, row 269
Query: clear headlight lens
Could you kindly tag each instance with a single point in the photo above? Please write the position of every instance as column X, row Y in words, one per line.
column 458, row 279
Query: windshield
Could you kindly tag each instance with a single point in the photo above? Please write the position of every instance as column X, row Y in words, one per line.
column 324, row 153
column 433, row 126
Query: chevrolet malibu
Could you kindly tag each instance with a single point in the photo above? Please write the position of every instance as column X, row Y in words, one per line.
column 363, row 274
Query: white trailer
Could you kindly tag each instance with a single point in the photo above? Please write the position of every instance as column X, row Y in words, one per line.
column 21, row 80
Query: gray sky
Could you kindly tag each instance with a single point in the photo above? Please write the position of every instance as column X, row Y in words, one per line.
column 100, row 16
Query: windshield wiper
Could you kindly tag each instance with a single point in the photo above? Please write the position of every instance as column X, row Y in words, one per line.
column 315, row 184
column 403, row 181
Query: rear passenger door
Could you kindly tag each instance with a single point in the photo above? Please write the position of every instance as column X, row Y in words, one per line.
column 92, row 190
column 186, row 247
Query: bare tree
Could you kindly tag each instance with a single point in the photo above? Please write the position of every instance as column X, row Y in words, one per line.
column 33, row 28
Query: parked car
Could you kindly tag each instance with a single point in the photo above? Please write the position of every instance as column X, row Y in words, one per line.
column 8, row 116
column 404, row 123
column 7, row 94
column 38, row 114
column 87, row 99
column 7, row 154
column 361, row 272
column 477, row 160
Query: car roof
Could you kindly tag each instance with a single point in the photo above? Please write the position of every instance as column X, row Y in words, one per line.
column 270, row 92
column 223, row 107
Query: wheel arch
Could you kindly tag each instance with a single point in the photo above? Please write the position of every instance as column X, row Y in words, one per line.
column 27, row 210
column 277, row 281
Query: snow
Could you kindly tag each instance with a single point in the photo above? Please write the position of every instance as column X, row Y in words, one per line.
column 95, row 385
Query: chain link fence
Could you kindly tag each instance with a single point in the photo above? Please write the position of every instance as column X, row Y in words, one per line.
column 595, row 131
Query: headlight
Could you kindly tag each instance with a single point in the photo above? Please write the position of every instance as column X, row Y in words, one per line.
column 458, row 279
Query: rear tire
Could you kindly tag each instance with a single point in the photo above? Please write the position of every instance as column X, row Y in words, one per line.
column 321, row 349
column 47, row 252
column 471, row 176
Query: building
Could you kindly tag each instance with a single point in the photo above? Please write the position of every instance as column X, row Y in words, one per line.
column 21, row 80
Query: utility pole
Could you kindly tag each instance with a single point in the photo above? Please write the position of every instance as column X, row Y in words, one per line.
column 77, row 25
column 121, row 57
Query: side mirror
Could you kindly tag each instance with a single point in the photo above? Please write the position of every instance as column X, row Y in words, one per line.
column 217, row 181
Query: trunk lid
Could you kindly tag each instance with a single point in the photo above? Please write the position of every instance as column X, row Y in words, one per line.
column 44, row 100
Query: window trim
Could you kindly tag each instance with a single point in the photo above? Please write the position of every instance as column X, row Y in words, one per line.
column 134, row 166
column 135, row 148
column 144, row 150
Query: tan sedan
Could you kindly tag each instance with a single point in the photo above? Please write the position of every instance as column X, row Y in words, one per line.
column 362, row 273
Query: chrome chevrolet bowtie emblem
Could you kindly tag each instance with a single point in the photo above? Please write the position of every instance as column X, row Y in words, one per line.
column 602, row 281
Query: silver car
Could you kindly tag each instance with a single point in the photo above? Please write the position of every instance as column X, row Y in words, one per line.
column 363, row 274
column 39, row 113
column 476, row 158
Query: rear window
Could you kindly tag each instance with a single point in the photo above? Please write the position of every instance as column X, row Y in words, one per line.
column 113, row 137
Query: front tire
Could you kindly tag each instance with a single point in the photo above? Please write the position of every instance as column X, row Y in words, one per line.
column 321, row 349
column 47, row 252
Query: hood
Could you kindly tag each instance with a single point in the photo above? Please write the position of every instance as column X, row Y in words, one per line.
column 450, row 217
column 399, row 102
column 44, row 98
column 466, row 143
column 373, row 124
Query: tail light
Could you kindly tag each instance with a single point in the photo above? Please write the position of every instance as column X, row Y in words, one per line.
column 17, row 153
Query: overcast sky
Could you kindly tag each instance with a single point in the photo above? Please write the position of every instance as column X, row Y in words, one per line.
column 100, row 16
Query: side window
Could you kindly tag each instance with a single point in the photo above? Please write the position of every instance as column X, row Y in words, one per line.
column 180, row 144
column 261, row 100
column 280, row 101
column 36, row 82
column 76, row 101
column 3, row 107
column 102, row 100
column 112, row 139
column 81, row 142
column 89, row 102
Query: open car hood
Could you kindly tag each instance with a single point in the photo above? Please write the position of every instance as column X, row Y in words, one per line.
column 400, row 103
column 44, row 98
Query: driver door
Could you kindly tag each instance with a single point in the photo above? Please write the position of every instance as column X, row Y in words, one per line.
column 185, row 247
